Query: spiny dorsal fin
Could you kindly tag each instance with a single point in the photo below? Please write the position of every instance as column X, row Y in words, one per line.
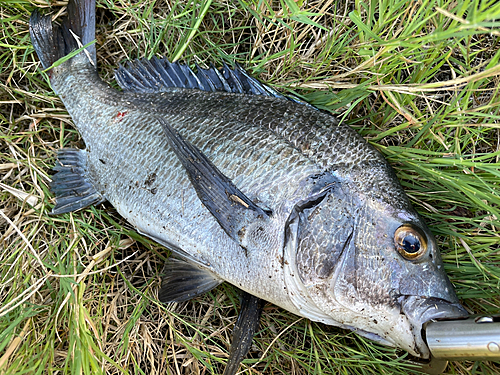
column 156, row 75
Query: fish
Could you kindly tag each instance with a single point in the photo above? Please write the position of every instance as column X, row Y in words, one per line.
column 246, row 186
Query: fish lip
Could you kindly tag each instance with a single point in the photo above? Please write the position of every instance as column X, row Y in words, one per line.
column 421, row 310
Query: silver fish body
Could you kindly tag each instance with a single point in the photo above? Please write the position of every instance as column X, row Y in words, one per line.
column 327, row 253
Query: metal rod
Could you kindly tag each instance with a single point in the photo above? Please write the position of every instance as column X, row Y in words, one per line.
column 472, row 338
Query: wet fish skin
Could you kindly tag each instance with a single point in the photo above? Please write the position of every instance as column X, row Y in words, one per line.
column 121, row 129
column 124, row 151
column 328, row 252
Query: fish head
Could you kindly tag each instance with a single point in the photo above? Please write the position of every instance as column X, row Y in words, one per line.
column 369, row 265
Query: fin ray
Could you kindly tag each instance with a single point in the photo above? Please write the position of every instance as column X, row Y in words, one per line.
column 71, row 185
column 184, row 281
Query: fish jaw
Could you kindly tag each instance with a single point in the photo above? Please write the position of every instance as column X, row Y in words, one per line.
column 418, row 311
column 398, row 325
column 402, row 327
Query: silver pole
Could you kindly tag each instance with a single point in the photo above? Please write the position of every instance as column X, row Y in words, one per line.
column 473, row 338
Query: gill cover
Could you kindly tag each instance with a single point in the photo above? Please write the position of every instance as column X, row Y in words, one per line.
column 312, row 246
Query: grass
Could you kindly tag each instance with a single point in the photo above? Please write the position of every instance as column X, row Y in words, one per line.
column 418, row 79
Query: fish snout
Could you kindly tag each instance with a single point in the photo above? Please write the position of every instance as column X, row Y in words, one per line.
column 421, row 310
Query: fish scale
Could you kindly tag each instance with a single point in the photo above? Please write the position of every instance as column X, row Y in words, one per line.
column 261, row 175
column 246, row 186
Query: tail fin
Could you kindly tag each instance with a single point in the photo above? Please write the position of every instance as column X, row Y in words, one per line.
column 52, row 42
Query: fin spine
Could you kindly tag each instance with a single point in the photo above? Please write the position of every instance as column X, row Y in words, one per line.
column 158, row 75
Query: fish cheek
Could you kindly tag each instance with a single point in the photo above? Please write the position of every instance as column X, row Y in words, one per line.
column 324, row 232
column 368, row 288
column 371, row 274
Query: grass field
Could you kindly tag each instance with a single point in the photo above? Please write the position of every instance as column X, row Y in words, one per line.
column 418, row 79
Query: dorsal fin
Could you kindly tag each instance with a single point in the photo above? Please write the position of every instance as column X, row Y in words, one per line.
column 156, row 75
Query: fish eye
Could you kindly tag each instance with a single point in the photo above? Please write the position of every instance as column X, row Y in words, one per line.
column 410, row 242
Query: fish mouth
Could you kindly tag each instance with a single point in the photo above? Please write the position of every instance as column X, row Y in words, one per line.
column 420, row 310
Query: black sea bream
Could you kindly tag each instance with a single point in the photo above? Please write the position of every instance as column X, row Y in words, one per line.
column 246, row 186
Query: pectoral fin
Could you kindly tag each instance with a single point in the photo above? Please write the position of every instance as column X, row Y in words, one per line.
column 231, row 208
column 244, row 330
column 184, row 281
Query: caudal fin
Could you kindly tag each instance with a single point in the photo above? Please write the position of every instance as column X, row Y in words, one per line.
column 52, row 41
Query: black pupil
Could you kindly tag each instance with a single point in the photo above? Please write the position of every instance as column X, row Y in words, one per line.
column 411, row 244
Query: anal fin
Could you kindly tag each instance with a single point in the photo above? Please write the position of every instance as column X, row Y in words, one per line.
column 71, row 185
column 184, row 281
